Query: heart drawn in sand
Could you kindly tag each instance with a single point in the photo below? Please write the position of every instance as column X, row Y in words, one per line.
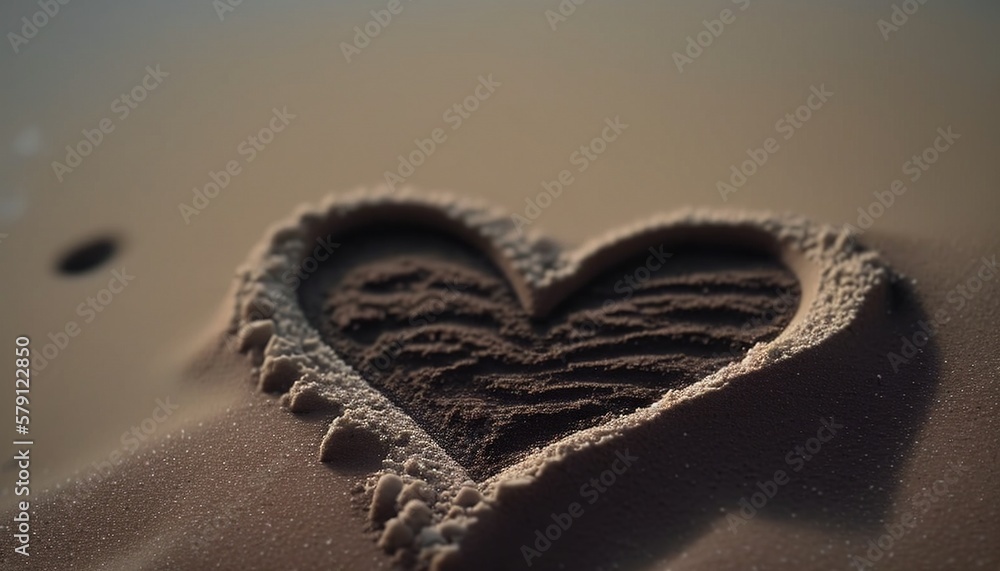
column 446, row 345
column 459, row 365
column 431, row 323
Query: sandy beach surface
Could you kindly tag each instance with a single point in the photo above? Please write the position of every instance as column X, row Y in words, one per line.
column 150, row 148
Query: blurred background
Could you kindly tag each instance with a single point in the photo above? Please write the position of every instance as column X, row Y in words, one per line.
column 300, row 99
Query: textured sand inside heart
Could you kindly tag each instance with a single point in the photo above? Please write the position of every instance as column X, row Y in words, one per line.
column 435, row 327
